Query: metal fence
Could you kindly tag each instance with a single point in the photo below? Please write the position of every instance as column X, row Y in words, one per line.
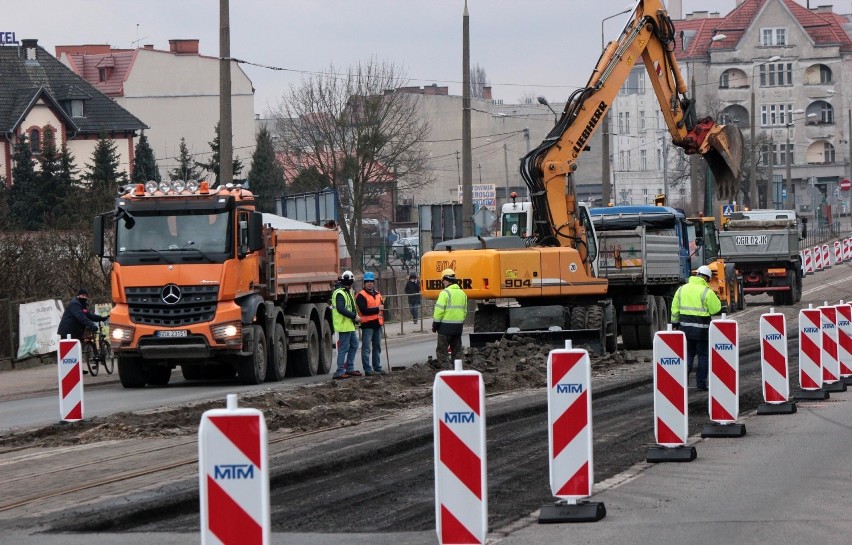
column 820, row 235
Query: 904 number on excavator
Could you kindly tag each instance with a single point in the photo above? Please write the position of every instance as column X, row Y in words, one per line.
column 517, row 283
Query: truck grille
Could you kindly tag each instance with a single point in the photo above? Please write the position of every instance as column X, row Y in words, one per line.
column 196, row 304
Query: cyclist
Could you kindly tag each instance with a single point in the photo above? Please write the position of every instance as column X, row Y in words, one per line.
column 77, row 319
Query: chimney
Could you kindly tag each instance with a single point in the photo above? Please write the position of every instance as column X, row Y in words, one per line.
column 184, row 47
column 30, row 47
column 676, row 9
column 486, row 92
column 823, row 9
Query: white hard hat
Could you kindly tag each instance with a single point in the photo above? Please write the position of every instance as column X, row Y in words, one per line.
column 347, row 275
column 705, row 271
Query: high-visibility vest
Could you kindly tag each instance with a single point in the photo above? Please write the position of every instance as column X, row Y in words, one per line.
column 372, row 301
column 451, row 310
column 341, row 322
column 693, row 304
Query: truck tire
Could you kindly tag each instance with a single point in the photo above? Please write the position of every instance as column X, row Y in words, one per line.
column 645, row 332
column 326, row 349
column 306, row 362
column 741, row 300
column 157, row 375
column 130, row 371
column 578, row 317
column 629, row 337
column 276, row 366
column 489, row 318
column 252, row 368
column 190, row 372
column 798, row 284
column 662, row 313
column 790, row 296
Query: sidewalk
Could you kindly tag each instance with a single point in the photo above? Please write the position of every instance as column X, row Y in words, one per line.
column 785, row 481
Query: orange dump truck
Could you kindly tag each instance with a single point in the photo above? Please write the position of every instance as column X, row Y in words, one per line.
column 202, row 281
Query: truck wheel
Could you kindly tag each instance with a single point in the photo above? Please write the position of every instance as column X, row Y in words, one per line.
column 306, row 362
column 646, row 332
column 190, row 372
column 629, row 337
column 157, row 375
column 252, row 368
column 798, row 285
column 578, row 317
column 662, row 313
column 276, row 367
column 790, row 296
column 488, row 318
column 326, row 349
column 130, row 371
column 741, row 300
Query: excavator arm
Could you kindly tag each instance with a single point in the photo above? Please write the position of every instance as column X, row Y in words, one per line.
column 548, row 169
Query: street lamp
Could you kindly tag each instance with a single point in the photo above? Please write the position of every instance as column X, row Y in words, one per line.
column 755, row 200
column 542, row 100
column 606, row 187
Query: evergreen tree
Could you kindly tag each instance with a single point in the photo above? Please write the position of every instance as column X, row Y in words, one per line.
column 27, row 206
column 144, row 164
column 266, row 177
column 213, row 164
column 186, row 168
column 49, row 168
column 66, row 185
column 308, row 179
column 104, row 175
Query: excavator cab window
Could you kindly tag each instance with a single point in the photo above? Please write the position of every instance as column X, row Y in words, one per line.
column 591, row 236
column 711, row 242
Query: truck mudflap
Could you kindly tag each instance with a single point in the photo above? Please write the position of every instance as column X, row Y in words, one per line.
column 591, row 338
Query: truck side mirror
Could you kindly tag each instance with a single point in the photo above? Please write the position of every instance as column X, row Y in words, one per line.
column 699, row 241
column 255, row 232
column 98, row 236
column 804, row 228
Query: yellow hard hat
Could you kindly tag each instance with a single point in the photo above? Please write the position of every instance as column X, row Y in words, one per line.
column 449, row 274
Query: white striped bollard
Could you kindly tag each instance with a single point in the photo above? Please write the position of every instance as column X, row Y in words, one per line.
column 461, row 489
column 830, row 364
column 808, row 262
column 818, row 258
column 774, row 370
column 724, row 380
column 671, row 418
column 569, row 417
column 838, row 252
column 826, row 257
column 810, row 359
column 844, row 341
column 70, row 368
column 233, row 476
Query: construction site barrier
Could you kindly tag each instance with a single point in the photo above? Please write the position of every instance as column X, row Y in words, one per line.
column 830, row 362
column 671, row 419
column 844, row 339
column 774, row 368
column 70, row 369
column 461, row 491
column 233, row 476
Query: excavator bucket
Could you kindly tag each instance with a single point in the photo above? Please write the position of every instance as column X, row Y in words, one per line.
column 724, row 154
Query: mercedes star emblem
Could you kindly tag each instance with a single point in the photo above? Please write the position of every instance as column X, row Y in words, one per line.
column 171, row 294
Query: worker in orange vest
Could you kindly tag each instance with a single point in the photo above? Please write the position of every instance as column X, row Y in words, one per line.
column 371, row 309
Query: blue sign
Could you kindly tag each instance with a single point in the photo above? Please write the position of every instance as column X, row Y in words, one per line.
column 8, row 38
column 727, row 210
column 458, row 417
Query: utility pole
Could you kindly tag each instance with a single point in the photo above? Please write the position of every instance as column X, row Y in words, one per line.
column 506, row 166
column 788, row 186
column 226, row 142
column 467, row 163
column 606, row 189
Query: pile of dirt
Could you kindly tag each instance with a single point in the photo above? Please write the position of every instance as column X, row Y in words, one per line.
column 507, row 365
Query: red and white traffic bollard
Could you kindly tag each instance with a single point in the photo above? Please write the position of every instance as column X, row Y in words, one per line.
column 810, row 359
column 70, row 368
column 569, row 418
column 830, row 363
column 826, row 257
column 847, row 249
column 818, row 258
column 808, row 262
column 724, row 380
column 844, row 341
column 461, row 489
column 773, row 365
column 838, row 252
column 671, row 419
column 233, row 476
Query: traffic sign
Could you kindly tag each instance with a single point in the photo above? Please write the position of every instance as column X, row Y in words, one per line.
column 845, row 184
column 727, row 210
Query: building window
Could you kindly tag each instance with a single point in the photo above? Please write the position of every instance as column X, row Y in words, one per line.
column 778, row 155
column 643, row 159
column 775, row 115
column 627, row 122
column 642, row 120
column 641, row 83
column 35, row 141
column 102, row 74
column 828, row 152
column 724, row 80
column 826, row 113
column 74, row 108
column 776, row 74
column 620, row 123
column 659, row 159
column 824, row 74
column 773, row 36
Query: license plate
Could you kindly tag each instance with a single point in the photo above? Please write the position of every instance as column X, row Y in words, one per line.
column 172, row 333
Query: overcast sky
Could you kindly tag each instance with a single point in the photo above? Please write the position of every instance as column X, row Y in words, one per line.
column 546, row 47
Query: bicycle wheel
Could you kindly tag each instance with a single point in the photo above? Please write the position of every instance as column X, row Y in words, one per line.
column 90, row 357
column 106, row 356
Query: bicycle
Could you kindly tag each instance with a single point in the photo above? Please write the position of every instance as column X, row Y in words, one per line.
column 97, row 351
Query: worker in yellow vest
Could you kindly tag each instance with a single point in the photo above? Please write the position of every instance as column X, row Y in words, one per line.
column 448, row 319
column 692, row 306
column 345, row 319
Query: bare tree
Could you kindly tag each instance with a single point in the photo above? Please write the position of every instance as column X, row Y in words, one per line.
column 360, row 134
column 478, row 81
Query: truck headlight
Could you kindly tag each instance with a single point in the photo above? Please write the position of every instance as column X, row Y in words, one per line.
column 228, row 333
column 121, row 335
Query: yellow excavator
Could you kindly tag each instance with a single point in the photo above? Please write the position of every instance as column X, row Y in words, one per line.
column 547, row 283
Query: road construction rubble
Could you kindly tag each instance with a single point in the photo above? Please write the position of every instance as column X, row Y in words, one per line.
column 506, row 365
